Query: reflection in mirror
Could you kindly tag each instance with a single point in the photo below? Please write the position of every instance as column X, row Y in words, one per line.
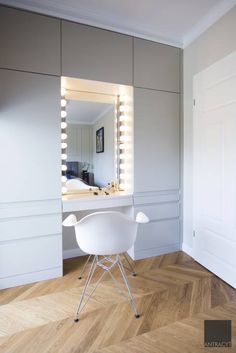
column 90, row 145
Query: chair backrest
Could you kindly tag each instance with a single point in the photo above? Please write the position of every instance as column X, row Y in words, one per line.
column 105, row 233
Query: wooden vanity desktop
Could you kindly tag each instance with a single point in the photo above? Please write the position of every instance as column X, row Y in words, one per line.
column 82, row 202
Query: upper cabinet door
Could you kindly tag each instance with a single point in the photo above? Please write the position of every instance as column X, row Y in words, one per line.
column 30, row 137
column 156, row 140
column 156, row 66
column 96, row 54
column 29, row 42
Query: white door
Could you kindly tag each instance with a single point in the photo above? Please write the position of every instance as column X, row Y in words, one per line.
column 214, row 242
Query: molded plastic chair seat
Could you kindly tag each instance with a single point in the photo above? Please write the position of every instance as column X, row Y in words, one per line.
column 104, row 234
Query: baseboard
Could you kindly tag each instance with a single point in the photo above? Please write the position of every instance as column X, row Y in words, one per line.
column 142, row 254
column 31, row 277
column 68, row 254
column 186, row 248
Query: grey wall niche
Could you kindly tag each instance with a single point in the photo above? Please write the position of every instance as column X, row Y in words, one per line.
column 31, row 64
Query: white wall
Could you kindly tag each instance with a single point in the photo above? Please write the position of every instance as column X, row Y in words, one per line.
column 217, row 42
column 104, row 163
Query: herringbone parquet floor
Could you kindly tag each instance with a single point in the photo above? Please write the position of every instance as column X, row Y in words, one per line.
column 174, row 295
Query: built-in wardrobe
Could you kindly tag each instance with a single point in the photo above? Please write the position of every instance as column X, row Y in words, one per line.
column 36, row 50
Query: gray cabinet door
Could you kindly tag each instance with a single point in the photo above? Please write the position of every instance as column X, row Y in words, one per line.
column 156, row 65
column 29, row 42
column 156, row 140
column 96, row 54
column 29, row 137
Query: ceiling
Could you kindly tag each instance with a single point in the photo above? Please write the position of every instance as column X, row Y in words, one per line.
column 80, row 112
column 174, row 22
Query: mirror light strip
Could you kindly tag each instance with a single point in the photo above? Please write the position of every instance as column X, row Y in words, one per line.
column 63, row 141
column 123, row 140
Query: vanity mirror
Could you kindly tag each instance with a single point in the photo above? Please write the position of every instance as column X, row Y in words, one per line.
column 96, row 137
column 90, row 145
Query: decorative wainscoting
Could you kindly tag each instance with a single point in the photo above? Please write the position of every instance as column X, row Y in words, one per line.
column 30, row 242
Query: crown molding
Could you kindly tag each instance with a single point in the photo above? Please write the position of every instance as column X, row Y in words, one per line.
column 207, row 21
column 88, row 17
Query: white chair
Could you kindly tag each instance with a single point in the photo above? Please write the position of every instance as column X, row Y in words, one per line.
column 105, row 234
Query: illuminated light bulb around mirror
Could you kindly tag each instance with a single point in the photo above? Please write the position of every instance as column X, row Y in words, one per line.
column 124, row 138
column 122, row 166
column 122, row 156
column 63, row 91
column 63, row 114
column 124, row 128
column 122, row 175
column 123, row 118
column 63, row 167
column 64, row 179
column 122, row 186
column 64, row 156
column 122, row 108
column 125, row 156
column 63, row 125
column 63, row 136
column 63, row 102
column 63, row 189
column 122, row 146
column 64, row 145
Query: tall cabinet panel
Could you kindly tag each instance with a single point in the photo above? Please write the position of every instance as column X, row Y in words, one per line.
column 96, row 54
column 156, row 66
column 30, row 219
column 29, row 42
column 156, row 146
column 156, row 140
column 156, row 170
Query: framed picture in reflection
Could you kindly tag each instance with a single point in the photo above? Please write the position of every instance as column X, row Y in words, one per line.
column 100, row 140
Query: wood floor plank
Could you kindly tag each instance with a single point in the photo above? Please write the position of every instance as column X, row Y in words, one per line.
column 182, row 336
column 174, row 295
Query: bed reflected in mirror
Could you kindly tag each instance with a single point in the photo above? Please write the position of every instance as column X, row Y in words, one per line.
column 90, row 145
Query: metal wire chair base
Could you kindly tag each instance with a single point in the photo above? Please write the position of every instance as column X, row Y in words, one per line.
column 83, row 269
column 129, row 268
column 107, row 264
